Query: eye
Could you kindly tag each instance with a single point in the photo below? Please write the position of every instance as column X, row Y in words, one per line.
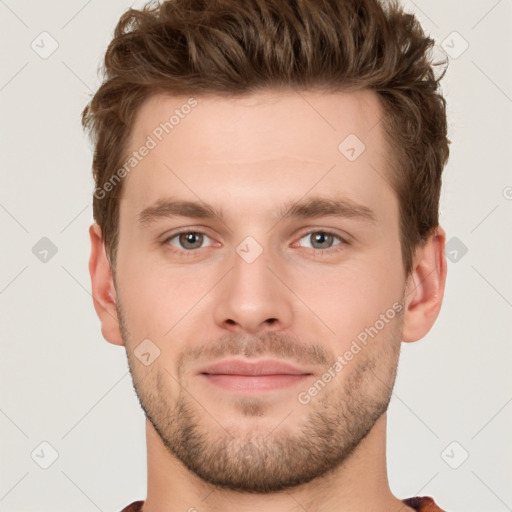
column 322, row 240
column 187, row 240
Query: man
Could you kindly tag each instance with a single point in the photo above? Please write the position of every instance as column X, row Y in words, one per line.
column 267, row 186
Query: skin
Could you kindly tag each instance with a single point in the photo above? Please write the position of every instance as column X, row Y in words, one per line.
column 302, row 301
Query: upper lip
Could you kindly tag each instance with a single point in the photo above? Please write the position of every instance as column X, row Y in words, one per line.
column 262, row 367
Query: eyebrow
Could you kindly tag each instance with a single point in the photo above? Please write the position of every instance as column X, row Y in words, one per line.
column 304, row 209
column 176, row 208
column 327, row 207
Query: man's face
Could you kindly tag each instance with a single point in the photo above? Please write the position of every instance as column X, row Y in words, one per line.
column 256, row 285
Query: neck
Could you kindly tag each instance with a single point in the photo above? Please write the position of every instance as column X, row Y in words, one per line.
column 359, row 484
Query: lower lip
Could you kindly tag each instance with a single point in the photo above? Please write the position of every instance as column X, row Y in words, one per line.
column 254, row 382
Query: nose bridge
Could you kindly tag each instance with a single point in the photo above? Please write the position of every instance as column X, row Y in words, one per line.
column 250, row 275
column 252, row 298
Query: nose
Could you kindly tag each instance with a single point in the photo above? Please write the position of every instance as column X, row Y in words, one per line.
column 252, row 298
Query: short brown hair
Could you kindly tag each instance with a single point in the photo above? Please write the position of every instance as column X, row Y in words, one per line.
column 230, row 47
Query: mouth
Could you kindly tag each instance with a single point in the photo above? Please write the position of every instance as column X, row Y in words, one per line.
column 246, row 376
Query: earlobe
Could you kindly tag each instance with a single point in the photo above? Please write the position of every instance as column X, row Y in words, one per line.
column 425, row 287
column 103, row 290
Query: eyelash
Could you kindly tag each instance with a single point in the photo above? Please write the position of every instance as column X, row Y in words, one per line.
column 193, row 252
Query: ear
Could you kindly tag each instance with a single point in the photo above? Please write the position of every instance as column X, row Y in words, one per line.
column 103, row 290
column 425, row 287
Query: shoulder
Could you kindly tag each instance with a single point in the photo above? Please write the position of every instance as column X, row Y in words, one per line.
column 423, row 504
column 136, row 506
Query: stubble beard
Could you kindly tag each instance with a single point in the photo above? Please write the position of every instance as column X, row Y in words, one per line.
column 332, row 425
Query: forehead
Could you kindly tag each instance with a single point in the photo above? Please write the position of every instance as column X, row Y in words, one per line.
column 314, row 122
column 268, row 145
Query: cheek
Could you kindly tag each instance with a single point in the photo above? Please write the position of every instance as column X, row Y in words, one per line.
column 159, row 299
column 144, row 296
column 351, row 297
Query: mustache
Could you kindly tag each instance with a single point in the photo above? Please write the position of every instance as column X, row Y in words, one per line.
column 279, row 345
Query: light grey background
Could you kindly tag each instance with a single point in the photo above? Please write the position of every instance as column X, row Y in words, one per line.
column 64, row 385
